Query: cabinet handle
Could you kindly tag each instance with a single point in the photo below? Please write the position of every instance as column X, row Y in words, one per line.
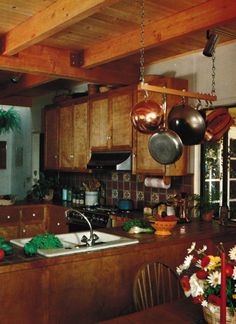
column 33, row 214
column 58, row 224
column 8, row 216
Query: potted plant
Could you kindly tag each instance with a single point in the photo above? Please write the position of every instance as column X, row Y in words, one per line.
column 9, row 120
column 43, row 189
column 206, row 206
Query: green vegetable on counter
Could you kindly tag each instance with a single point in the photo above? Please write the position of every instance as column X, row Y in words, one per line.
column 42, row 241
column 6, row 246
column 139, row 226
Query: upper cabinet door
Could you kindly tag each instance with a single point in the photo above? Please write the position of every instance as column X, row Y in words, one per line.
column 81, row 136
column 66, row 139
column 120, row 105
column 100, row 134
column 51, row 148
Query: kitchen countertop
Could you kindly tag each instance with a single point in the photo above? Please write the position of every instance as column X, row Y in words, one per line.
column 180, row 234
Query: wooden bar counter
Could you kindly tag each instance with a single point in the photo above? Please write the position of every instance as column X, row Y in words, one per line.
column 94, row 286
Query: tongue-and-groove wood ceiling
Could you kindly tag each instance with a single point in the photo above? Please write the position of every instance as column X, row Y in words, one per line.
column 43, row 39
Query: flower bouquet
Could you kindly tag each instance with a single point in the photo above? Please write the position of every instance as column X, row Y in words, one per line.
column 200, row 278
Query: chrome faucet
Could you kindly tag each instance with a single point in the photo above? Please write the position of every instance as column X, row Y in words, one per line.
column 89, row 241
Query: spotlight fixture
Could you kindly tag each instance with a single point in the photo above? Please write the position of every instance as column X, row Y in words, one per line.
column 16, row 77
column 212, row 39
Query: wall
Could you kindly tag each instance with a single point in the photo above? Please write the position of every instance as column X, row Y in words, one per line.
column 197, row 69
column 16, row 178
column 119, row 185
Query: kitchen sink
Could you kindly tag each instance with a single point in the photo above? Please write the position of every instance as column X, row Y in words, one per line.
column 72, row 243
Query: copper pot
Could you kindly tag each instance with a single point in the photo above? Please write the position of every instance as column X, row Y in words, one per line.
column 147, row 116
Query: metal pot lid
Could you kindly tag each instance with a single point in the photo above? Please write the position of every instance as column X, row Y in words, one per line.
column 165, row 146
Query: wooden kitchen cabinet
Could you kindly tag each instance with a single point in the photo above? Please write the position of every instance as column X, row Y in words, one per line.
column 66, row 142
column 142, row 160
column 33, row 221
column 110, row 126
column 99, row 123
column 66, row 139
column 51, row 144
column 57, row 222
column 9, row 222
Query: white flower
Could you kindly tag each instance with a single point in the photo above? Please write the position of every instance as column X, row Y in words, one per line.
column 200, row 251
column 187, row 261
column 196, row 286
column 232, row 253
column 191, row 248
column 180, row 269
column 214, row 278
column 204, row 303
column 234, row 275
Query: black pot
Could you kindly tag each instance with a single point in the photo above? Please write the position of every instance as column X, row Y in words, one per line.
column 188, row 123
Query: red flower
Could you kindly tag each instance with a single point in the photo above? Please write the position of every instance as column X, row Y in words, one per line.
column 205, row 261
column 194, row 260
column 184, row 281
column 201, row 274
column 228, row 270
column 215, row 300
column 198, row 300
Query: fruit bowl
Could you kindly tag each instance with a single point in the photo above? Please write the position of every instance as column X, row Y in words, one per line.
column 164, row 227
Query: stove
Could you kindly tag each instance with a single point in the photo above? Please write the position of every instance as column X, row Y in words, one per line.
column 99, row 217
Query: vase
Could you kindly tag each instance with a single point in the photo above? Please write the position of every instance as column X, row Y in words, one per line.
column 214, row 317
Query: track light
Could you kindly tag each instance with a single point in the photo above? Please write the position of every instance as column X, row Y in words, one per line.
column 16, row 77
column 212, row 39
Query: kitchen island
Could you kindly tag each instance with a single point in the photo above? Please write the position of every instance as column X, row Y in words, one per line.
column 94, row 286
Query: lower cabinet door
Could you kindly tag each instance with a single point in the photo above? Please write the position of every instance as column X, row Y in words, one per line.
column 30, row 230
column 9, row 232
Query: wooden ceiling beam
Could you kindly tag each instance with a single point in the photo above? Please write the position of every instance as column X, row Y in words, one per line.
column 58, row 16
column 27, row 81
column 43, row 60
column 201, row 17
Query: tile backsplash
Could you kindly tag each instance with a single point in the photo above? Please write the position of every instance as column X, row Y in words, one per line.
column 119, row 185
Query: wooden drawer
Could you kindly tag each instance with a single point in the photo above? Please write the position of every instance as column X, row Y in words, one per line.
column 32, row 214
column 9, row 215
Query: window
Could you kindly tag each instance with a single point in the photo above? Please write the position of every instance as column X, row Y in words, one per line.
column 218, row 170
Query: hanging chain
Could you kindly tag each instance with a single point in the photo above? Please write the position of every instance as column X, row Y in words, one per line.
column 142, row 41
column 213, row 75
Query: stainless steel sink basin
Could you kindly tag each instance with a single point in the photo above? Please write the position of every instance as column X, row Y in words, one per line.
column 72, row 243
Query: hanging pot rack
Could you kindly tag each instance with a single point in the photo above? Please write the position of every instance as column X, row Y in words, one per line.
column 182, row 93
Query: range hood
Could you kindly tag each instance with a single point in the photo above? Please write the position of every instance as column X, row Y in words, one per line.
column 119, row 161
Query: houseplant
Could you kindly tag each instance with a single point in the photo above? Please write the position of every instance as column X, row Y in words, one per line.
column 9, row 120
column 200, row 277
column 42, row 189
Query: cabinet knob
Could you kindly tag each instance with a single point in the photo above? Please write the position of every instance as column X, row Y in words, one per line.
column 55, row 156
column 58, row 224
column 71, row 156
column 8, row 216
column 33, row 214
column 23, row 230
column 108, row 137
